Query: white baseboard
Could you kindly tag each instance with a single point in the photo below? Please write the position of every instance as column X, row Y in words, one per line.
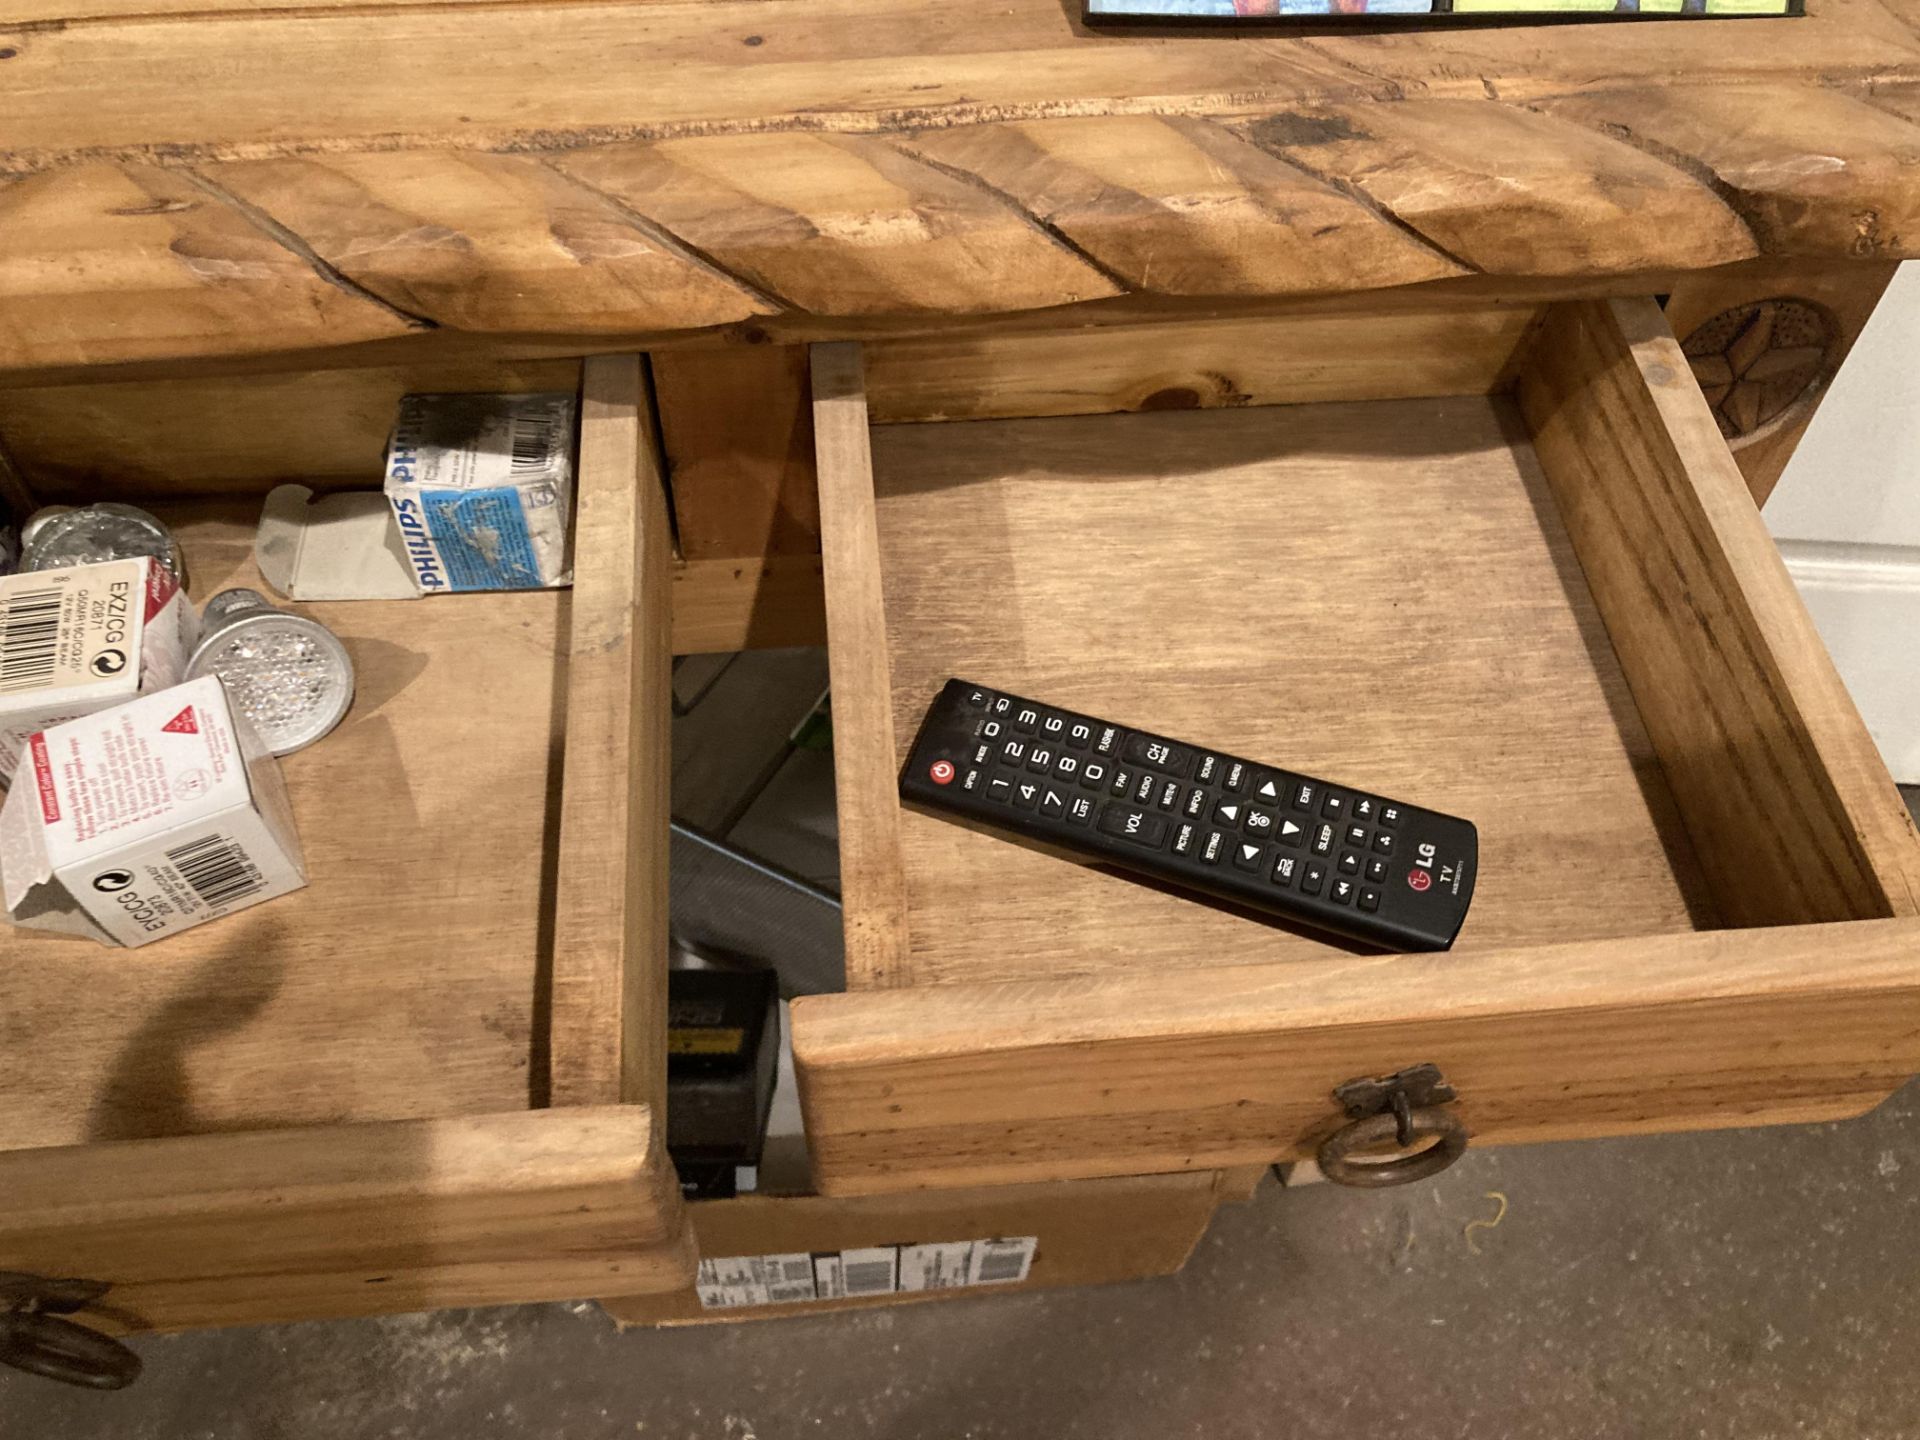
column 1865, row 600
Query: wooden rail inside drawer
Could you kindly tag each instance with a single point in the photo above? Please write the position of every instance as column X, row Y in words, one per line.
column 356, row 1089
column 1551, row 608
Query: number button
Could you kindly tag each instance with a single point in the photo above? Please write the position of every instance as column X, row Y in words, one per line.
column 1093, row 774
column 1026, row 794
column 1053, row 804
column 990, row 730
column 1079, row 734
column 1000, row 789
column 1067, row 766
column 1014, row 751
column 1025, row 719
column 1052, row 726
column 1040, row 759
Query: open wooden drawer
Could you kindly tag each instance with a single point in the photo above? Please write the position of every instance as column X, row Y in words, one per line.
column 434, row 1077
column 1552, row 609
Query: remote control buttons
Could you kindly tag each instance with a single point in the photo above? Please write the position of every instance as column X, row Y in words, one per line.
column 1291, row 832
column 1025, row 718
column 941, row 772
column 1196, row 803
column 1160, row 754
column 1383, row 844
column 1107, row 740
column 1040, row 758
column 1169, row 794
column 1334, row 806
column 1323, row 839
column 1130, row 822
column 1369, row 900
column 1209, row 767
column 1268, row 786
column 1053, row 726
column 1236, row 776
column 1143, row 788
column 972, row 783
column 978, row 698
column 1183, row 840
column 1285, row 868
column 1364, row 810
column 1376, row 870
column 1215, row 847
column 1357, row 835
column 990, row 730
column 1014, row 751
column 1313, row 878
column 1390, row 816
column 1053, row 804
column 1228, row 812
column 1259, row 822
column 1000, row 789
column 1080, row 811
column 1067, row 767
column 1026, row 794
column 1342, row 892
column 1349, row 863
column 1078, row 734
column 1094, row 774
column 1246, row 855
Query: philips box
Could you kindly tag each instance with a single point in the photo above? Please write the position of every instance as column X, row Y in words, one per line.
column 482, row 489
column 84, row 637
column 135, row 823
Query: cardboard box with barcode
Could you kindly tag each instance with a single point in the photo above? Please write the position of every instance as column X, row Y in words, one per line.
column 84, row 637
column 135, row 823
column 482, row 489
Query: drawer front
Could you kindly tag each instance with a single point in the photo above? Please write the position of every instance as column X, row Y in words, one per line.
column 1697, row 904
column 353, row 1219
column 309, row 1109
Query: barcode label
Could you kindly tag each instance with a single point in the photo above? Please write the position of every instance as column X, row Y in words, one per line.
column 29, row 636
column 533, row 441
column 216, row 869
column 745, row 1280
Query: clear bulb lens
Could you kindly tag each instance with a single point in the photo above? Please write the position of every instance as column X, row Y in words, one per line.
column 289, row 676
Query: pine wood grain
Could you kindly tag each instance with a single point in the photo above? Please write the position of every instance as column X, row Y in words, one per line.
column 235, row 434
column 736, row 430
column 1194, row 364
column 769, row 164
column 1048, row 1078
column 872, row 885
column 1791, row 810
column 1827, row 169
column 745, row 604
column 191, row 275
column 1378, row 593
column 1571, row 200
column 341, row 1220
column 1173, row 205
column 843, row 223
column 489, row 243
column 609, row 990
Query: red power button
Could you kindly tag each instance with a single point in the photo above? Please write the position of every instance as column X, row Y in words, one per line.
column 942, row 772
column 1419, row 879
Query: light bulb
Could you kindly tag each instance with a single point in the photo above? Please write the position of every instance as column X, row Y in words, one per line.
column 290, row 676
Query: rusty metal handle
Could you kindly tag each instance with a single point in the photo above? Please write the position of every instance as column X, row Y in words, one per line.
column 1402, row 1128
column 57, row 1349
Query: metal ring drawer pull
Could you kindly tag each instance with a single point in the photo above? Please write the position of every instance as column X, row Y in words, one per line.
column 34, row 1338
column 1400, row 1109
column 1449, row 1137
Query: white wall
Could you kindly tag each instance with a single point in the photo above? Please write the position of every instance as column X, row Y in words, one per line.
column 1847, row 515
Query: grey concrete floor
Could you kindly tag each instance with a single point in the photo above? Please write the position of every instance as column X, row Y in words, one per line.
column 1745, row 1284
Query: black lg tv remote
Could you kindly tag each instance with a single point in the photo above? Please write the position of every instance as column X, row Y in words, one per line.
column 1325, row 855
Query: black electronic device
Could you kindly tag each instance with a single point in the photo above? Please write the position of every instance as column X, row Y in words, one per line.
column 1325, row 855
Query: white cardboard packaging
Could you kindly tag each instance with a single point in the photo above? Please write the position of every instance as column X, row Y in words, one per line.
column 84, row 637
column 482, row 489
column 147, row 819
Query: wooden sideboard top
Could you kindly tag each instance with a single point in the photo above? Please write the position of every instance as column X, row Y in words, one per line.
column 194, row 180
